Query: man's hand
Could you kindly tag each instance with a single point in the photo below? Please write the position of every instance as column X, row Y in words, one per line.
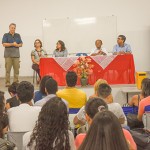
column 122, row 53
column 15, row 44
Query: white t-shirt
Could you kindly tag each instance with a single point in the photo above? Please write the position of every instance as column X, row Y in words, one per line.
column 26, row 139
column 23, row 117
column 113, row 107
column 97, row 50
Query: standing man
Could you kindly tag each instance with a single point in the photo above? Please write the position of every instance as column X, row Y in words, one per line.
column 12, row 41
column 121, row 47
column 99, row 50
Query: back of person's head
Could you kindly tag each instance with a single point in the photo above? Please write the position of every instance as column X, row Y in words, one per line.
column 51, row 86
column 97, row 83
column 122, row 37
column 71, row 78
column 12, row 89
column 105, row 133
column 104, row 90
column 42, row 84
column 93, row 105
column 25, row 91
column 52, row 126
column 145, row 87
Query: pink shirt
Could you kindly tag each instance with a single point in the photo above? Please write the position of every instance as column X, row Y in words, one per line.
column 143, row 103
column 79, row 139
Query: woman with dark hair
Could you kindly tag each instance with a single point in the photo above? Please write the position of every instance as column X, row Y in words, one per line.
column 51, row 130
column 92, row 107
column 36, row 54
column 145, row 86
column 38, row 95
column 3, row 116
column 105, row 133
column 60, row 50
column 13, row 101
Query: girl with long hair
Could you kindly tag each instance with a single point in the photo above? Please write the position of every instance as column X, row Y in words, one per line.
column 51, row 130
column 105, row 133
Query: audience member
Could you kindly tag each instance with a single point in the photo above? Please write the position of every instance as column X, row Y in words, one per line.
column 13, row 101
column 76, row 98
column 93, row 106
column 51, row 130
column 121, row 47
column 23, row 117
column 38, row 95
column 51, row 88
column 145, row 86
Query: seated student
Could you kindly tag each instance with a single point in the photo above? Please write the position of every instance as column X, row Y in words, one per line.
column 121, row 47
column 36, row 54
column 51, row 130
column 38, row 95
column 144, row 93
column 81, row 120
column 13, row 101
column 96, row 86
column 99, row 49
column 3, row 116
column 51, row 88
column 76, row 98
column 94, row 106
column 142, row 105
column 23, row 117
column 60, row 50
column 104, row 92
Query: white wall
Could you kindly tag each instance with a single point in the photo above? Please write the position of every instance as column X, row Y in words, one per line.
column 132, row 19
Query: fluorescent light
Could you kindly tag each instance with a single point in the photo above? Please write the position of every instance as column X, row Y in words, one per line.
column 83, row 21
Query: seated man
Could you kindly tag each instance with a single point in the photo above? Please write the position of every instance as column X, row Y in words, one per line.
column 104, row 92
column 75, row 97
column 51, row 88
column 99, row 49
column 23, row 117
column 121, row 47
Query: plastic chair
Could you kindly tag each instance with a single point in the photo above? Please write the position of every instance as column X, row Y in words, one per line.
column 81, row 54
column 16, row 138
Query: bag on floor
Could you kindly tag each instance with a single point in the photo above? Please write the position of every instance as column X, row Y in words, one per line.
column 141, row 138
column 133, row 122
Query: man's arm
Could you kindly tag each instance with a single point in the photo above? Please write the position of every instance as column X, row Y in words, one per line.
column 76, row 121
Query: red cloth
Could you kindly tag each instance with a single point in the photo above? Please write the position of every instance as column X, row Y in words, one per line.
column 120, row 71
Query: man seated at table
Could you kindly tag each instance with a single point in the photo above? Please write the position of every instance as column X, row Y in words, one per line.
column 99, row 50
column 76, row 98
column 121, row 47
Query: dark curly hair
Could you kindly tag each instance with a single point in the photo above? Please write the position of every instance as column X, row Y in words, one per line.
column 13, row 88
column 145, row 86
column 62, row 45
column 25, row 91
column 51, row 129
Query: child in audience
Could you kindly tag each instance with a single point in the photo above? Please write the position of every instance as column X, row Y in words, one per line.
column 3, row 116
column 38, row 95
column 144, row 93
column 93, row 106
column 13, row 101
column 51, row 130
column 105, row 133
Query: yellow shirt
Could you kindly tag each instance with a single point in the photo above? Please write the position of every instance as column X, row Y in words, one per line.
column 76, row 98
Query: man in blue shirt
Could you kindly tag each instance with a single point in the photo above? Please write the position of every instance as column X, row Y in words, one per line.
column 12, row 41
column 121, row 47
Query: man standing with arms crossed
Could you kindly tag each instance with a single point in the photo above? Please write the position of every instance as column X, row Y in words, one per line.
column 12, row 41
